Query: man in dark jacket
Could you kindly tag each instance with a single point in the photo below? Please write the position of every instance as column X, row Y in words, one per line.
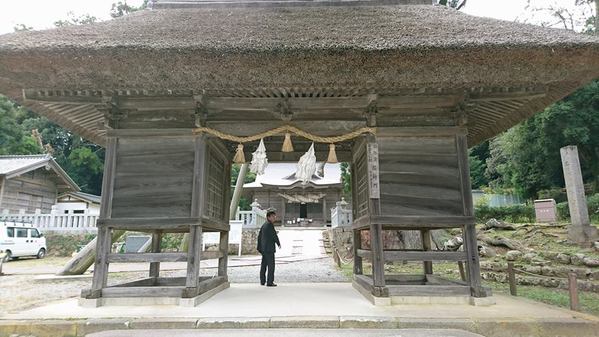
column 266, row 246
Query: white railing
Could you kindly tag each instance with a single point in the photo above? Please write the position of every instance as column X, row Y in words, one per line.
column 251, row 219
column 341, row 215
column 56, row 222
column 235, row 236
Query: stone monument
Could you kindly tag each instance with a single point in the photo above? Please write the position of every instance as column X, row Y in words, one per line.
column 580, row 231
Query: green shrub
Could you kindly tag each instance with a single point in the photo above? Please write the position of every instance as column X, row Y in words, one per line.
column 512, row 213
column 556, row 193
column 66, row 244
column 592, row 203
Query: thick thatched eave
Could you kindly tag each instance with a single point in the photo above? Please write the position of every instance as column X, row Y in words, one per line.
column 365, row 49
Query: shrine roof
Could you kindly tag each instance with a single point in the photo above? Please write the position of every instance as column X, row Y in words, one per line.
column 220, row 50
column 283, row 175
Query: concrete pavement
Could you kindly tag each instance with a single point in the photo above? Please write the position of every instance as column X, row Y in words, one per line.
column 311, row 306
column 289, row 333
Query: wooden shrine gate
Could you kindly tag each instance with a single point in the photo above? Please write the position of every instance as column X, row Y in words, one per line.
column 243, row 67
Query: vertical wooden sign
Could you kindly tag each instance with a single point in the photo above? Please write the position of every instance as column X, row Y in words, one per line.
column 373, row 170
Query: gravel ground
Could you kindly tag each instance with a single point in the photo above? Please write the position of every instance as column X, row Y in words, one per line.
column 19, row 292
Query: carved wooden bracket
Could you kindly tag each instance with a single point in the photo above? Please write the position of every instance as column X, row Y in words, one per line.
column 201, row 111
column 112, row 112
column 284, row 109
column 371, row 110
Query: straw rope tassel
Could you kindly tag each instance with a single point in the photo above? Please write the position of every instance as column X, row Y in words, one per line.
column 287, row 145
column 332, row 154
column 239, row 155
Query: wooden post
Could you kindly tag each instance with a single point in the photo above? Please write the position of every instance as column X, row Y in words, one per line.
column 426, row 246
column 358, row 270
column 155, row 266
column 224, row 248
column 324, row 210
column 511, row 274
column 378, row 260
column 573, row 288
column 100, row 277
column 470, row 241
column 462, row 271
column 193, row 260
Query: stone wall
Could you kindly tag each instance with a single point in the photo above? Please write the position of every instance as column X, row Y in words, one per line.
column 249, row 241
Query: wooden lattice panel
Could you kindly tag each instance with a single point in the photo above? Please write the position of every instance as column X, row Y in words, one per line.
column 360, row 178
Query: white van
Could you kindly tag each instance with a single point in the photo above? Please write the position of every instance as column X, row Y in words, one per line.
column 20, row 239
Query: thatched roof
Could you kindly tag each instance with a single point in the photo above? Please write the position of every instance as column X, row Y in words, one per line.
column 377, row 47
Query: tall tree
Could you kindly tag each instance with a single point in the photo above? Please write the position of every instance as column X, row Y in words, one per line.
column 527, row 156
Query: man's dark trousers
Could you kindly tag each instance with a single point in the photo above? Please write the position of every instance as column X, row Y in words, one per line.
column 268, row 262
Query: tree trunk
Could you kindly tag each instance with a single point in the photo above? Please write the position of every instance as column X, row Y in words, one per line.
column 81, row 262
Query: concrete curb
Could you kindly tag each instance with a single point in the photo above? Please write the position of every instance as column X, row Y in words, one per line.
column 489, row 328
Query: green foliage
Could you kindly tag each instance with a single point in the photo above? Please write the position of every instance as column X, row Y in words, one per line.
column 22, row 28
column 249, row 177
column 122, row 8
column 556, row 193
column 346, row 180
column 593, row 206
column 14, row 138
column 82, row 160
column 171, row 242
column 74, row 20
column 527, row 157
column 66, row 244
column 513, row 213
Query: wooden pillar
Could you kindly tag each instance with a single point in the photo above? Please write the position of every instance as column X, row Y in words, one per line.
column 358, row 269
column 470, row 241
column 104, row 237
column 100, row 277
column 324, row 209
column 376, row 230
column 155, row 266
column 378, row 259
column 193, row 260
column 2, row 183
column 282, row 212
column 224, row 248
column 427, row 246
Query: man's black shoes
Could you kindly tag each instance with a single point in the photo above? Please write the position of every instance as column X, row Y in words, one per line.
column 271, row 285
column 262, row 283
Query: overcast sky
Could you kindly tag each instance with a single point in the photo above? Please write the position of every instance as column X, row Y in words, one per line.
column 41, row 14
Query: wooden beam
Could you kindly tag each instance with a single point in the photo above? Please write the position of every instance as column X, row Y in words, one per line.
column 364, row 281
column 147, row 257
column 389, row 131
column 209, row 255
column 440, row 255
column 62, row 96
column 428, row 290
column 414, row 221
column 507, row 96
column 149, row 223
column 142, row 292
